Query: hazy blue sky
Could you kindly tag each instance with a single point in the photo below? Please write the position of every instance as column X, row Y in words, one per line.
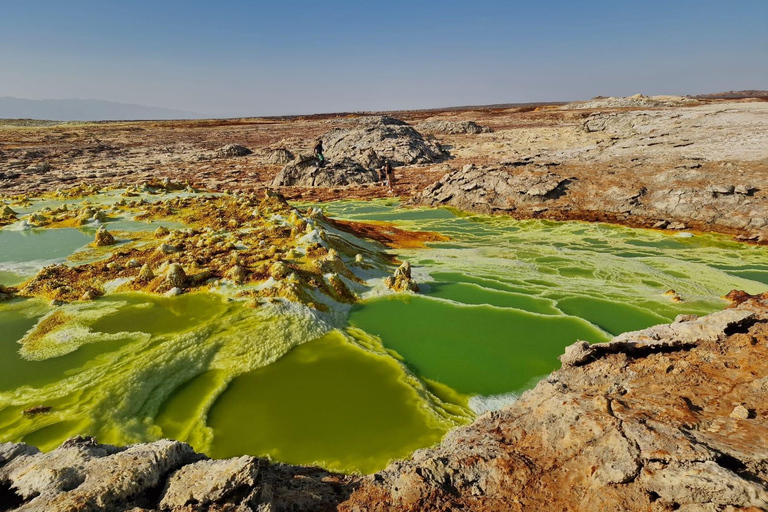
column 229, row 58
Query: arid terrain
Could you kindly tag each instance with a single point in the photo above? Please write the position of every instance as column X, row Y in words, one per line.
column 674, row 417
column 662, row 162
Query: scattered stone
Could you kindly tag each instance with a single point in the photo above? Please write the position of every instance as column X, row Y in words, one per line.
column 741, row 413
column 232, row 150
column 237, row 274
column 174, row 292
column 162, row 232
column 167, row 248
column 90, row 294
column 721, row 189
column 133, row 263
column 676, row 225
column 744, row 190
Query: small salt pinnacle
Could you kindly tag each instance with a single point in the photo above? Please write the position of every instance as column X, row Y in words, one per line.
column 146, row 274
column 7, row 212
column 175, row 276
column 103, row 238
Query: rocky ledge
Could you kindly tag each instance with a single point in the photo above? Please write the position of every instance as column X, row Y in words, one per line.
column 674, row 417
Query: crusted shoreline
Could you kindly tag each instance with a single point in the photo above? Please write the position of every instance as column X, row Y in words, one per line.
column 673, row 417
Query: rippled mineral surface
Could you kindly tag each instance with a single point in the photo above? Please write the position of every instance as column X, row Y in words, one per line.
column 244, row 325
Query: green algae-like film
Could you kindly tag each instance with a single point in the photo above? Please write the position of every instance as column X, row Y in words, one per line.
column 345, row 384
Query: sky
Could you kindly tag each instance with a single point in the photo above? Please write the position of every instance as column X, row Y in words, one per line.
column 240, row 58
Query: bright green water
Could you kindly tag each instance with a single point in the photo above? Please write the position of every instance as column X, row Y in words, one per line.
column 349, row 390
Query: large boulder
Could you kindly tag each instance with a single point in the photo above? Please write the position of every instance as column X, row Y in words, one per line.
column 354, row 155
column 387, row 137
column 305, row 172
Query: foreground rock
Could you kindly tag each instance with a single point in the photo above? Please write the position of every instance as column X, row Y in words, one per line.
column 165, row 475
column 674, row 417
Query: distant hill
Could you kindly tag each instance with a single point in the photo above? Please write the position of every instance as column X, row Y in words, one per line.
column 86, row 110
column 733, row 95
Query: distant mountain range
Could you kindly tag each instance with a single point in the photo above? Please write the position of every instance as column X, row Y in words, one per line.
column 86, row 110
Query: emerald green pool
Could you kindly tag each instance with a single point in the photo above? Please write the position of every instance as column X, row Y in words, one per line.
column 499, row 302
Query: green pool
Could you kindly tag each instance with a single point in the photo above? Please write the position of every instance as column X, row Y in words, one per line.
column 354, row 388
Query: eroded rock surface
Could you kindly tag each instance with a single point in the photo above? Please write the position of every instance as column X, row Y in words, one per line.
column 674, row 417
column 83, row 475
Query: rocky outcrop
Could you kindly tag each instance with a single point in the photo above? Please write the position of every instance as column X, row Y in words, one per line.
column 354, row 155
column 678, row 198
column 491, row 189
column 388, row 138
column 452, row 127
column 103, row 238
column 163, row 476
column 305, row 172
column 634, row 101
column 280, row 156
column 669, row 418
